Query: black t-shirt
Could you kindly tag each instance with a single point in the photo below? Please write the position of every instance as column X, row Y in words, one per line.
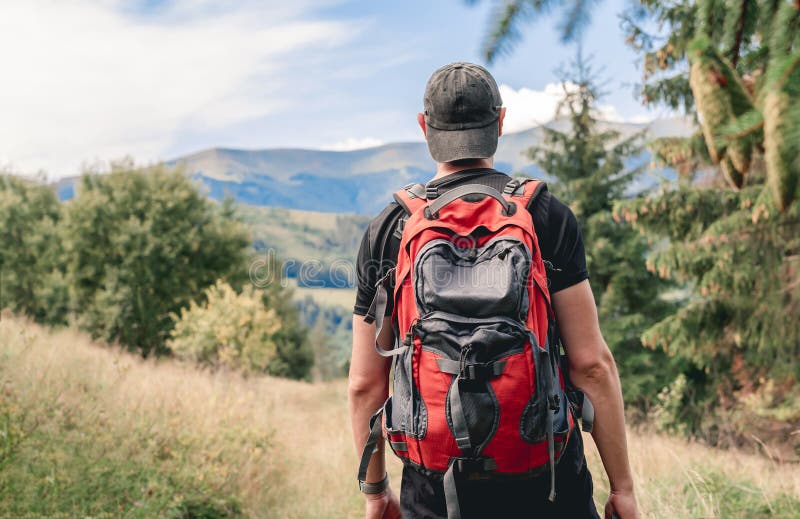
column 556, row 227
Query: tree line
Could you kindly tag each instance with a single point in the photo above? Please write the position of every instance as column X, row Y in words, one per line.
column 137, row 252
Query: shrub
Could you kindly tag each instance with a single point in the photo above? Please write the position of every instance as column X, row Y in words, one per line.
column 668, row 413
column 141, row 244
column 31, row 254
column 238, row 331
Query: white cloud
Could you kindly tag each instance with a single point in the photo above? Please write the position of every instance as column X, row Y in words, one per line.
column 609, row 113
column 87, row 79
column 641, row 119
column 354, row 143
column 526, row 108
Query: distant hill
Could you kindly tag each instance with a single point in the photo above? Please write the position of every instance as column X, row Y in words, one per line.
column 304, row 235
column 358, row 181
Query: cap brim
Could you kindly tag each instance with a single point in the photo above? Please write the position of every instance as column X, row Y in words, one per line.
column 450, row 145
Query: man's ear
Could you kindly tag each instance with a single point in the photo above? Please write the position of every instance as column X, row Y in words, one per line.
column 421, row 122
column 500, row 120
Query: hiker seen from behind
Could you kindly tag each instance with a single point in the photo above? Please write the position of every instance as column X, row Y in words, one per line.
column 473, row 293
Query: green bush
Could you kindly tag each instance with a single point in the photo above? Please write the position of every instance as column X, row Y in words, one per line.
column 237, row 331
column 31, row 253
column 142, row 244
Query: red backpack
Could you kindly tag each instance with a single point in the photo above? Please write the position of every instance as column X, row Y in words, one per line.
column 477, row 384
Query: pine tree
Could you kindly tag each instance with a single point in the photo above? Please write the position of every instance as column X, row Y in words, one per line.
column 733, row 243
column 728, row 228
column 509, row 15
column 742, row 82
column 588, row 161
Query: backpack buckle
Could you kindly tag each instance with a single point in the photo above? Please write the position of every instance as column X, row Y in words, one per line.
column 469, row 372
column 398, row 230
column 415, row 190
column 481, row 371
column 515, row 187
column 512, row 186
column 431, row 192
column 475, row 466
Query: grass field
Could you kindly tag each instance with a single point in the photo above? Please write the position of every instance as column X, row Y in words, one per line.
column 89, row 431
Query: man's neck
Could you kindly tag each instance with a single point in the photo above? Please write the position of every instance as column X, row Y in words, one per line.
column 445, row 168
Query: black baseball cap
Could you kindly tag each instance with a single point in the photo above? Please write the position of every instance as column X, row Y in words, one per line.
column 462, row 112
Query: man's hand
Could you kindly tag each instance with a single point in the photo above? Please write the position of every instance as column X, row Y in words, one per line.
column 621, row 505
column 383, row 505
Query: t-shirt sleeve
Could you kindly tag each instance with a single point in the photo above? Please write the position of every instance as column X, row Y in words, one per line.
column 563, row 247
column 366, row 276
column 376, row 255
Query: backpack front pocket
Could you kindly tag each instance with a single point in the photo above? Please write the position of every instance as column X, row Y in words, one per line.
column 408, row 412
column 481, row 282
column 462, row 360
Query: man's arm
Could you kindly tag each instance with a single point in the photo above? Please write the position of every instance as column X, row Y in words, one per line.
column 592, row 369
column 368, row 389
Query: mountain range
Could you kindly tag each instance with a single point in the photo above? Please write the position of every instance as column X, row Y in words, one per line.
column 361, row 181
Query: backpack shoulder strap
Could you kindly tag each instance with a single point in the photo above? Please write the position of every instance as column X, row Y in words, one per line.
column 531, row 192
column 411, row 198
column 526, row 190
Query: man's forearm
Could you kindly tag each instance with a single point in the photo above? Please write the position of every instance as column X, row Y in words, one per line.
column 601, row 384
column 363, row 404
column 368, row 389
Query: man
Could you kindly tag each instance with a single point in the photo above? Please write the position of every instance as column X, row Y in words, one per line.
column 462, row 122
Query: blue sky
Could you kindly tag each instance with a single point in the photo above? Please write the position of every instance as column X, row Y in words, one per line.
column 97, row 80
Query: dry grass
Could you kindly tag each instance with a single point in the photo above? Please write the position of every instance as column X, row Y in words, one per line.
column 279, row 448
column 675, row 478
